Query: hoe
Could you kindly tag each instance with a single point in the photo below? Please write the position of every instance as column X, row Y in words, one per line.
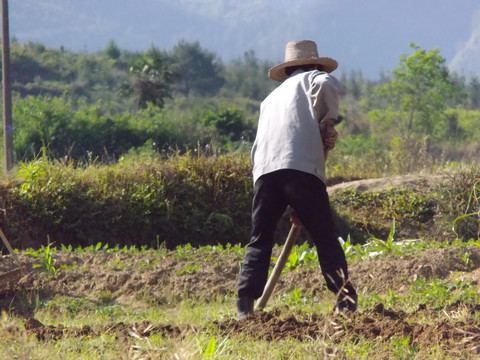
column 12, row 275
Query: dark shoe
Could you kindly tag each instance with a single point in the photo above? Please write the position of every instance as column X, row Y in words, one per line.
column 244, row 307
column 346, row 302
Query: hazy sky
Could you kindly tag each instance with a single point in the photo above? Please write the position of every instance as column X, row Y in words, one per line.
column 366, row 35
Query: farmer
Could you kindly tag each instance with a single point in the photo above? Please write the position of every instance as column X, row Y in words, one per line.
column 295, row 131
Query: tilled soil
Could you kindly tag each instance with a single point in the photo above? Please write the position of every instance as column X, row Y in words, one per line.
column 459, row 337
column 202, row 274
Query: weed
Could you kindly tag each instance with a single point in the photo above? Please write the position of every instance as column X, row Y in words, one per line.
column 109, row 311
column 378, row 246
column 392, row 298
column 296, row 297
column 188, row 269
column 403, row 348
column 472, row 209
column 441, row 293
column 45, row 255
column 32, row 174
column 214, row 348
column 105, row 297
column 298, row 256
column 466, row 259
column 210, row 349
column 74, row 306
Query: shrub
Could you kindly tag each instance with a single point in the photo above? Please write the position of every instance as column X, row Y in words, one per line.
column 184, row 199
column 459, row 204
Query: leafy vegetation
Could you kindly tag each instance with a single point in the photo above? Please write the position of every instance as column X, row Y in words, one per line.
column 183, row 199
column 106, row 104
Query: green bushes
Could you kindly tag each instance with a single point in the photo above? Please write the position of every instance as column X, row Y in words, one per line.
column 459, row 203
column 92, row 131
column 51, row 123
column 370, row 214
column 202, row 200
column 185, row 199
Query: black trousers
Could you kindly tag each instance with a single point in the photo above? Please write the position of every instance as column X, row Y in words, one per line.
column 308, row 196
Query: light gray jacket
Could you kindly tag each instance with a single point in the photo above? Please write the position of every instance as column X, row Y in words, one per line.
column 288, row 134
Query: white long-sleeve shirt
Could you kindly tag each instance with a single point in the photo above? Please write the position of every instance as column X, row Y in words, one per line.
column 288, row 134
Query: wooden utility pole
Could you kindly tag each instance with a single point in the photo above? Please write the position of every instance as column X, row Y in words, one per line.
column 7, row 90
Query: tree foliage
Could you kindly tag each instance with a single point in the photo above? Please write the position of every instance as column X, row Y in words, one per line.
column 247, row 76
column 421, row 88
column 196, row 70
column 185, row 97
column 151, row 79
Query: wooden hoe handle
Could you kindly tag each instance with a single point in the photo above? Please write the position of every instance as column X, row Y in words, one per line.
column 277, row 270
column 9, row 247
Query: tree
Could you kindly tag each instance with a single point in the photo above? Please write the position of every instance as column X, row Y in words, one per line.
column 248, row 76
column 41, row 122
column 112, row 50
column 420, row 89
column 196, row 70
column 473, row 93
column 353, row 84
column 228, row 123
column 152, row 79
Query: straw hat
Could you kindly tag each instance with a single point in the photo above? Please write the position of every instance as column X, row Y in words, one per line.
column 302, row 52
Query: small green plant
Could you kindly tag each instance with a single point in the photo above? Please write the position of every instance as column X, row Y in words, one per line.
column 117, row 263
column 466, row 258
column 441, row 293
column 299, row 255
column 296, row 297
column 403, row 348
column 347, row 246
column 209, row 351
column 66, row 248
column 188, row 269
column 183, row 252
column 105, row 297
column 45, row 255
column 148, row 264
column 472, row 209
column 378, row 246
column 474, row 242
column 214, row 348
column 352, row 251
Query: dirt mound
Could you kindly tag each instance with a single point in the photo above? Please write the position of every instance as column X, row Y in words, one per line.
column 121, row 331
column 371, row 324
column 420, row 183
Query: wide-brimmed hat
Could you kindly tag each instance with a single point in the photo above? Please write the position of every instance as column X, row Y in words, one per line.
column 303, row 52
